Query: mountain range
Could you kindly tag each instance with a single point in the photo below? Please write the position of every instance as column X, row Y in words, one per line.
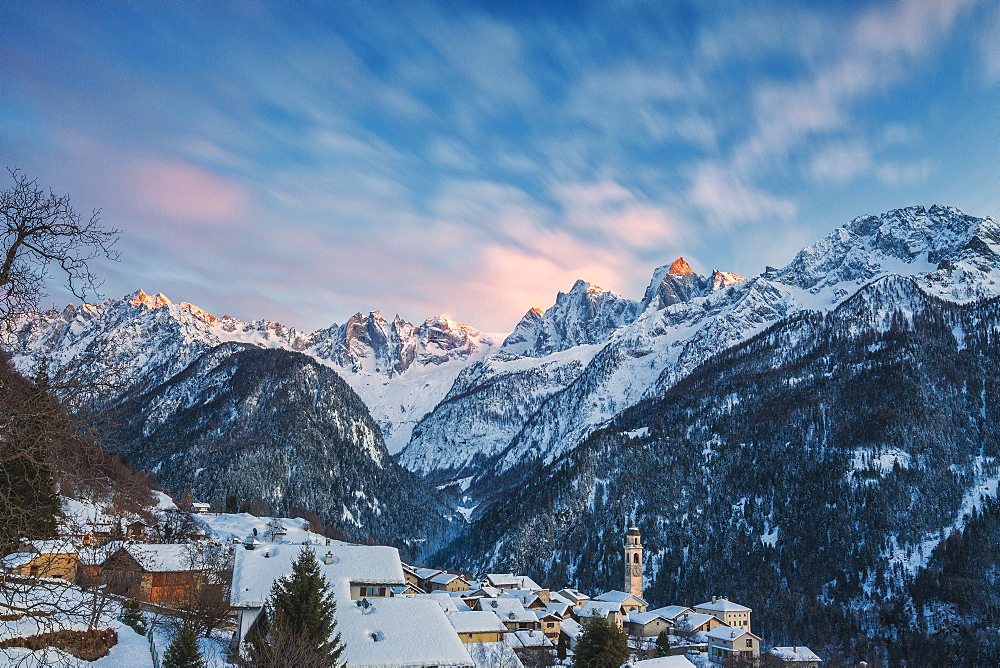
column 802, row 439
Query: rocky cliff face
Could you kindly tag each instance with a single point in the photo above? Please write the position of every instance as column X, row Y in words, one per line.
column 583, row 316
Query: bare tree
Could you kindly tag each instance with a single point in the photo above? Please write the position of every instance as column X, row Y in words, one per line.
column 40, row 230
column 43, row 238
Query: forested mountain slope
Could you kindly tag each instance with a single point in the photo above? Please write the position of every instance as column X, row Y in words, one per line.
column 277, row 426
column 807, row 472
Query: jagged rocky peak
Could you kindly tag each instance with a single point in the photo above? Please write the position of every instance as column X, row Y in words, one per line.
column 140, row 298
column 159, row 300
column 723, row 279
column 586, row 314
column 371, row 344
column 869, row 245
column 678, row 282
column 680, row 266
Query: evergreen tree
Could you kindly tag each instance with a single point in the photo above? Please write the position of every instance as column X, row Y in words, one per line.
column 663, row 644
column 297, row 626
column 183, row 651
column 601, row 645
column 132, row 616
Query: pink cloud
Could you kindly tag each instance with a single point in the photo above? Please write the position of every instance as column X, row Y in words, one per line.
column 185, row 193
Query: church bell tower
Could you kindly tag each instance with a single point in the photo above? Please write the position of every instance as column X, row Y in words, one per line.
column 633, row 562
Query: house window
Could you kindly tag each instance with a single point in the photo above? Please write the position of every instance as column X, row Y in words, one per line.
column 749, row 642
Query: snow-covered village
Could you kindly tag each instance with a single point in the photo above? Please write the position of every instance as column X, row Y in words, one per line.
column 106, row 580
column 520, row 334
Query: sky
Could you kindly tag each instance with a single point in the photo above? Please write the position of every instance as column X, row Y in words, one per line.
column 305, row 161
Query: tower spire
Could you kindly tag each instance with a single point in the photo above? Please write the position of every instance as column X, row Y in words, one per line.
column 633, row 562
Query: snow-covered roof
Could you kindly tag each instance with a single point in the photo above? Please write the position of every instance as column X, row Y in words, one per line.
column 445, row 578
column 54, row 546
column 727, row 633
column 95, row 556
column 507, row 609
column 491, row 592
column 526, row 596
column 507, row 580
column 672, row 611
column 558, row 608
column 560, row 598
column 162, row 558
column 527, row 639
column 17, row 559
column 254, row 571
column 722, row 605
column 643, row 618
column 794, row 654
column 575, row 595
column 571, row 627
column 398, row 632
column 475, row 621
column 615, row 596
column 662, row 662
column 692, row 621
column 447, row 602
column 598, row 608
column 427, row 573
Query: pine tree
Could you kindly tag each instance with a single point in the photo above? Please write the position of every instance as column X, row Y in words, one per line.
column 663, row 644
column 601, row 645
column 297, row 625
column 132, row 616
column 183, row 651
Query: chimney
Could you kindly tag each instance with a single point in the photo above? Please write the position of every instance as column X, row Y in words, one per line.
column 327, row 541
column 328, row 558
column 713, row 599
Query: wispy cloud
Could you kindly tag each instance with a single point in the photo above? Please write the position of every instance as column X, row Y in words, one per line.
column 460, row 159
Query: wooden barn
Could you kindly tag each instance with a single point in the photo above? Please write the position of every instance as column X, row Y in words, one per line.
column 160, row 574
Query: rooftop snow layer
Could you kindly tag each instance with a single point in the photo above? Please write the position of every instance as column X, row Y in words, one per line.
column 398, row 632
column 722, row 605
column 254, row 571
column 475, row 621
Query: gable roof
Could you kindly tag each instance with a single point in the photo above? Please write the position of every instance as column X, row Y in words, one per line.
column 644, row 618
column 398, row 632
column 161, row 558
column 53, row 546
column 722, row 605
column 615, row 596
column 794, row 653
column 728, row 633
column 692, row 621
column 475, row 621
column 672, row 611
column 507, row 580
column 445, row 578
column 254, row 571
column 427, row 573
column 507, row 609
column 527, row 639
column 594, row 608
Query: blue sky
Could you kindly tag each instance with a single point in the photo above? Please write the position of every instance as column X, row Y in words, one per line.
column 302, row 162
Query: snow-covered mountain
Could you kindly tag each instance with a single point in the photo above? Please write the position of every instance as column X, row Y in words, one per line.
column 401, row 370
column 687, row 319
column 584, row 315
column 467, row 407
